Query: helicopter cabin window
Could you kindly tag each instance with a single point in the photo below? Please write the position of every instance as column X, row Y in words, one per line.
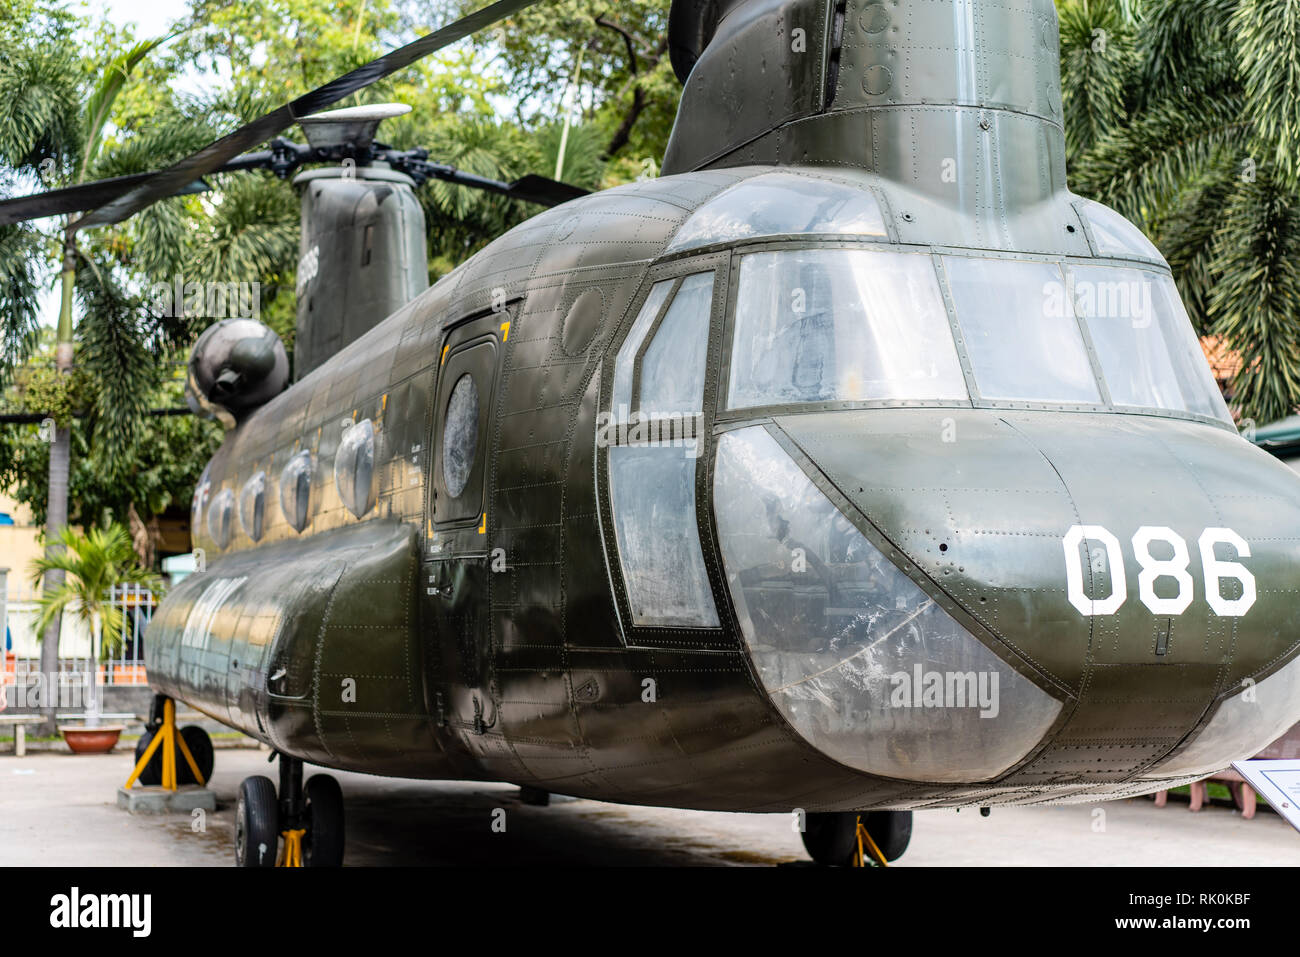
column 295, row 489
column 841, row 325
column 1021, row 335
column 1150, row 356
column 220, row 513
column 354, row 468
column 782, row 204
column 460, row 435
column 672, row 368
column 1113, row 235
column 252, row 506
column 659, row 372
column 650, row 310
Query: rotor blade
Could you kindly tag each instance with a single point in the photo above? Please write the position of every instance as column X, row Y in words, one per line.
column 216, row 154
column 546, row 192
column 74, row 199
column 532, row 189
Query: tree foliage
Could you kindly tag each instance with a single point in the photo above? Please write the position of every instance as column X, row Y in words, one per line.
column 81, row 99
column 93, row 563
column 155, row 473
column 1185, row 116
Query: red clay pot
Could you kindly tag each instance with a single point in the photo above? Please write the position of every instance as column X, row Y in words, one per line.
column 84, row 740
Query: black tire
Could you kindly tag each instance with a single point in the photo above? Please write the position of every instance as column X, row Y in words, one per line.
column 891, row 830
column 831, row 839
column 152, row 773
column 200, row 745
column 322, row 845
column 257, row 826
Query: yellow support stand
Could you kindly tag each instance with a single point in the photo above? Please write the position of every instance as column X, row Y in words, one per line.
column 865, row 843
column 291, row 856
column 166, row 735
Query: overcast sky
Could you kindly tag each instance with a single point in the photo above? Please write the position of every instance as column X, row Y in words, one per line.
column 151, row 17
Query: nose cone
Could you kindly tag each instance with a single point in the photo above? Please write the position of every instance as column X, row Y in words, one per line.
column 1151, row 621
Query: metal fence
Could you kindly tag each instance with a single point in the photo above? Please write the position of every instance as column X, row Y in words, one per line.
column 125, row 666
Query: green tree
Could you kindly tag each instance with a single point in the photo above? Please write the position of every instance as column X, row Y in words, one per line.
column 92, row 565
column 627, row 86
column 80, row 100
column 108, row 482
column 1185, row 116
column 56, row 108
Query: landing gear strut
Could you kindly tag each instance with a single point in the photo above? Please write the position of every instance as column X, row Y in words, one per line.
column 869, row 839
column 307, row 819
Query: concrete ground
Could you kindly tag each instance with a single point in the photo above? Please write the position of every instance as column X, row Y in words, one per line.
column 59, row 809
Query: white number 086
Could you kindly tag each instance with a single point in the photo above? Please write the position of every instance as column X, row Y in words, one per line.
column 1154, row 569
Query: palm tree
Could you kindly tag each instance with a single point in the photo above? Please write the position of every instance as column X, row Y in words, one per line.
column 1185, row 116
column 92, row 565
column 56, row 114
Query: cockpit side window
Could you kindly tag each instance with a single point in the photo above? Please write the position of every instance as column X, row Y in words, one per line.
column 625, row 363
column 841, row 325
column 657, row 404
column 671, row 373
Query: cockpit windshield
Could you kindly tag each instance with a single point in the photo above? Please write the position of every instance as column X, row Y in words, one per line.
column 1149, row 354
column 841, row 325
column 1024, row 343
column 867, row 325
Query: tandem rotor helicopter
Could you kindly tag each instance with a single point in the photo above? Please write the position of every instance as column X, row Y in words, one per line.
column 854, row 465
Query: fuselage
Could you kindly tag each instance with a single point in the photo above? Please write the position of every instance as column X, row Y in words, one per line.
column 742, row 489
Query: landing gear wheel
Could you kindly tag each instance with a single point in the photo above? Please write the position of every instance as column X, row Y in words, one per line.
column 152, row 773
column 832, row 839
column 257, row 831
column 323, row 815
column 200, row 745
column 891, row 830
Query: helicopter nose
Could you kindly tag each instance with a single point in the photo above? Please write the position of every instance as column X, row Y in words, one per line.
column 1138, row 570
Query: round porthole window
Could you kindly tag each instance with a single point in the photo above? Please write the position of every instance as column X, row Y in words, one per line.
column 220, row 513
column 354, row 468
column 295, row 489
column 460, row 436
column 252, row 506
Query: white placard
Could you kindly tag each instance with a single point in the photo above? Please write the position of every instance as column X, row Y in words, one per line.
column 1278, row 782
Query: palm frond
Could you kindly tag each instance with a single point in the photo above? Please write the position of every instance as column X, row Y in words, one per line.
column 20, row 254
column 99, row 105
column 1256, row 288
column 1179, row 39
column 93, row 564
column 251, row 235
column 1098, row 62
column 1188, row 237
column 1141, row 169
column 39, row 114
column 118, row 351
column 1266, row 36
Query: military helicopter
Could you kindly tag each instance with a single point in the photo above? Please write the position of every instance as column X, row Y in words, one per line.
column 851, row 467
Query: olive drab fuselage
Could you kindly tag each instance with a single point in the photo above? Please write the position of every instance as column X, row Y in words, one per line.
column 749, row 487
